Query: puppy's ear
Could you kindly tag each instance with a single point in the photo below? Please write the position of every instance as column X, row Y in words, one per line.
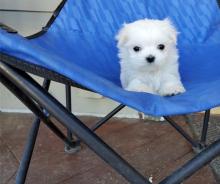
column 122, row 36
column 170, row 30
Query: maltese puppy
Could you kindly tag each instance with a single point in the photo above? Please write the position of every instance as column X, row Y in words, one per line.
column 149, row 57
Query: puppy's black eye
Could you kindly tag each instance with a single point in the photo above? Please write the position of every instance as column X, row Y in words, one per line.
column 136, row 49
column 161, row 46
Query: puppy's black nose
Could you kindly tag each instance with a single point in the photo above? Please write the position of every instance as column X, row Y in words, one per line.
column 150, row 59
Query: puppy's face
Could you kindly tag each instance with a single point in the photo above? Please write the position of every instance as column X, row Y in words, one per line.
column 147, row 43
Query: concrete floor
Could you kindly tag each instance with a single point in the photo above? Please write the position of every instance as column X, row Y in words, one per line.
column 153, row 148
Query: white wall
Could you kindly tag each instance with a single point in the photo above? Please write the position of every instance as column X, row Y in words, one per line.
column 28, row 23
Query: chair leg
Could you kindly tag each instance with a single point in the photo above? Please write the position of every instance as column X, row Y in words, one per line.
column 41, row 113
column 103, row 120
column 205, row 127
column 26, row 158
column 195, row 144
column 193, row 165
column 75, row 143
column 30, row 88
column 29, row 147
column 204, row 131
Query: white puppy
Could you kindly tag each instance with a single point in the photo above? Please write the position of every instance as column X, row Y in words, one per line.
column 149, row 57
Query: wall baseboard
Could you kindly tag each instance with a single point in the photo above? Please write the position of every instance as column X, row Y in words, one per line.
column 26, row 111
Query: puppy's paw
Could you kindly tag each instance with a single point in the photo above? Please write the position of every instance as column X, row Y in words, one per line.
column 140, row 88
column 146, row 89
column 171, row 90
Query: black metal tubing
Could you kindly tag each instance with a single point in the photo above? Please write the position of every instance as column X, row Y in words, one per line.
column 205, row 127
column 40, row 115
column 107, row 117
column 182, row 132
column 29, row 146
column 75, row 146
column 95, row 143
column 42, row 97
column 27, row 154
column 50, row 22
column 39, row 71
column 69, row 108
column 194, row 164
column 35, row 109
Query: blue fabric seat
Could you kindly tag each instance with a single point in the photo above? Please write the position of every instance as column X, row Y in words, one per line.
column 80, row 45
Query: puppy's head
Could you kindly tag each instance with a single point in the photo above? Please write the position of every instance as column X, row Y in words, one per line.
column 147, row 43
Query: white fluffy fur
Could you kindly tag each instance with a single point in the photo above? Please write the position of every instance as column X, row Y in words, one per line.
column 160, row 77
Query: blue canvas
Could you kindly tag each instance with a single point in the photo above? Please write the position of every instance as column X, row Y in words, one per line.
column 80, row 45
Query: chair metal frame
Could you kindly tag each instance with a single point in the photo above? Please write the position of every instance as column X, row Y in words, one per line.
column 13, row 75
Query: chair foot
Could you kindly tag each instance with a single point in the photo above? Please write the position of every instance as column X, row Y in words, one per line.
column 199, row 148
column 75, row 147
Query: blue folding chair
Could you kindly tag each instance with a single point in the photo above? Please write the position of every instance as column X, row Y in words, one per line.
column 77, row 48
